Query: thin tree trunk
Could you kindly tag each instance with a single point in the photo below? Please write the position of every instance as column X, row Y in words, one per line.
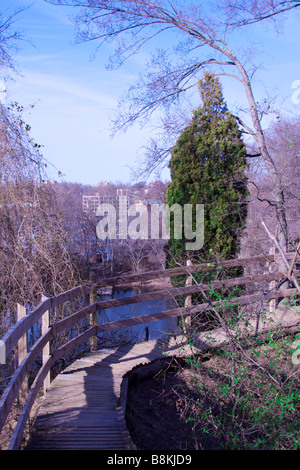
column 278, row 192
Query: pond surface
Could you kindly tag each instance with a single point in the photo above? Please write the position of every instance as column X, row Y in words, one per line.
column 153, row 330
column 150, row 330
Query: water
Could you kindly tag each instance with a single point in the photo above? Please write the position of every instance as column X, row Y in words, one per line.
column 152, row 330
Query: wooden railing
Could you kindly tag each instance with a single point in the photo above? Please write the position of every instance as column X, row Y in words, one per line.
column 17, row 335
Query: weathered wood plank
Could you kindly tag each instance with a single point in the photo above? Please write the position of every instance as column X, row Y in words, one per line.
column 80, row 291
column 188, row 290
column 74, row 343
column 46, row 350
column 22, row 352
column 82, row 407
column 243, row 300
column 93, row 320
column 11, row 391
column 19, row 329
column 146, row 276
column 16, row 332
column 16, row 439
column 73, row 318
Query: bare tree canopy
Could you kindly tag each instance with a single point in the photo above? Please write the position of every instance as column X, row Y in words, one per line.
column 9, row 39
column 202, row 40
column 241, row 13
column 33, row 255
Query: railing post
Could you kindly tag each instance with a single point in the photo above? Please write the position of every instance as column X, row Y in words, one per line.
column 188, row 300
column 46, row 349
column 93, row 320
column 22, row 351
column 272, row 286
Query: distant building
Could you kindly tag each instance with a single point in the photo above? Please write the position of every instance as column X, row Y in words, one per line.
column 90, row 203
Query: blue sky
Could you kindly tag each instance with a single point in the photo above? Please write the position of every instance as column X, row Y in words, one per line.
column 74, row 95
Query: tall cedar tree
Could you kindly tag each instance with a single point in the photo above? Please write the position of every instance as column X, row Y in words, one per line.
column 207, row 167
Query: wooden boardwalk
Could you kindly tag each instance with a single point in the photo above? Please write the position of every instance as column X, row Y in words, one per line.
column 83, row 408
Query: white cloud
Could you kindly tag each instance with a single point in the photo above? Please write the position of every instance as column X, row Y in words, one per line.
column 38, row 58
column 45, row 84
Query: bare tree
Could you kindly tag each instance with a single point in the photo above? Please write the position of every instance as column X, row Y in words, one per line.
column 242, row 13
column 9, row 39
column 33, row 251
column 283, row 139
column 133, row 23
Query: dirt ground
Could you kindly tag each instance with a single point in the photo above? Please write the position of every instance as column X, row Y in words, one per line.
column 156, row 415
column 163, row 412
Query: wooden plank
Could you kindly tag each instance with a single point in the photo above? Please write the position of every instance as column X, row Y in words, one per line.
column 93, row 320
column 73, row 318
column 89, row 414
column 243, row 300
column 187, row 290
column 20, row 328
column 146, row 276
column 21, row 424
column 115, row 325
column 22, row 352
column 46, row 349
column 80, row 291
column 74, row 343
column 188, row 301
column 11, row 391
column 85, row 405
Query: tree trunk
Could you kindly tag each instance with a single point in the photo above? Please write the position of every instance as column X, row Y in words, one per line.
column 278, row 191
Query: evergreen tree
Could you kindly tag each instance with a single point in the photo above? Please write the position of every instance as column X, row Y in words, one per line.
column 208, row 166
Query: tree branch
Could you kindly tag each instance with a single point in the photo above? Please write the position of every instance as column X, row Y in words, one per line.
column 291, row 276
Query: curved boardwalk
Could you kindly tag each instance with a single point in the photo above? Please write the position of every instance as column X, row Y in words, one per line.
column 82, row 408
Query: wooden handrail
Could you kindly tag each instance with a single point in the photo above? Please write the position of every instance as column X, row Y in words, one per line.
column 187, row 290
column 83, row 337
column 171, row 272
column 17, row 331
column 73, row 318
column 74, row 343
column 176, row 312
column 34, row 390
column 20, row 328
column 12, row 390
